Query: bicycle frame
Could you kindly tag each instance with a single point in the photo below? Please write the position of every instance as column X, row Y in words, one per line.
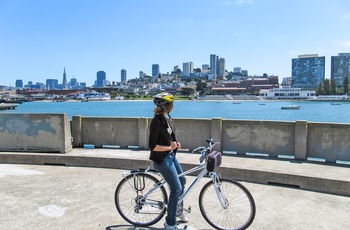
column 213, row 175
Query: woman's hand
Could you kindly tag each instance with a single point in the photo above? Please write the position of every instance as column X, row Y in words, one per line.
column 175, row 145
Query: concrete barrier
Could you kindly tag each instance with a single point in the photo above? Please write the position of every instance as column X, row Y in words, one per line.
column 300, row 140
column 35, row 133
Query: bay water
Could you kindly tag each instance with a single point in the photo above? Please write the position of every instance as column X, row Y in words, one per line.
column 311, row 111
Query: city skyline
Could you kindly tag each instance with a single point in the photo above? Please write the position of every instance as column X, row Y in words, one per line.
column 262, row 36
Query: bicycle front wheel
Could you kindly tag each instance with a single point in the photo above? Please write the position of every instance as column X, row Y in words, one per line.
column 140, row 212
column 239, row 211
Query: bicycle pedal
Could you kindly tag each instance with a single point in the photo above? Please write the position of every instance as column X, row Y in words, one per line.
column 189, row 209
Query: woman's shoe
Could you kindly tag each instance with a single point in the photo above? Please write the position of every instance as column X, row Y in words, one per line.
column 183, row 218
column 173, row 227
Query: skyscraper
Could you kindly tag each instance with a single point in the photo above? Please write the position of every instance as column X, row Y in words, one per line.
column 155, row 70
column 308, row 71
column 213, row 66
column 51, row 84
column 101, row 79
column 340, row 68
column 64, row 82
column 123, row 75
column 221, row 68
column 187, row 69
column 19, row 83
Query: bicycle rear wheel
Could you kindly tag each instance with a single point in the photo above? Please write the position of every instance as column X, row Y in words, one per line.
column 240, row 212
column 147, row 211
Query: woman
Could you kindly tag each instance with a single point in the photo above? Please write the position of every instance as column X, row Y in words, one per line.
column 163, row 145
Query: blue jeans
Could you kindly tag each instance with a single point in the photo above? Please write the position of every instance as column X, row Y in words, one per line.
column 170, row 168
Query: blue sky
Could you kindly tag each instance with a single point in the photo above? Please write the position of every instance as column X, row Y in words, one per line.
column 38, row 38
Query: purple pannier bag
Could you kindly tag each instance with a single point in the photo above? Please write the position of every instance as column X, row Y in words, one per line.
column 214, row 160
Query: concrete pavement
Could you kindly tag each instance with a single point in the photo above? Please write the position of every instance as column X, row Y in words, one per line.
column 49, row 191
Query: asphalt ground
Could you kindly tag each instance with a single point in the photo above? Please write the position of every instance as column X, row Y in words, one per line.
column 68, row 197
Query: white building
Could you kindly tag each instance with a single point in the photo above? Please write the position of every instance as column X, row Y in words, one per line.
column 287, row 93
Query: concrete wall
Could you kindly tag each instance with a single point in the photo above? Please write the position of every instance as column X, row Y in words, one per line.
column 299, row 140
column 35, row 133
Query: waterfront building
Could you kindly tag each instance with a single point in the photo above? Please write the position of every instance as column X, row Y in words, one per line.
column 19, row 83
column 287, row 93
column 308, row 71
column 101, row 79
column 123, row 75
column 64, row 82
column 340, row 68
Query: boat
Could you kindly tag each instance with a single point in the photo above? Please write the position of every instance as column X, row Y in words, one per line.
column 291, row 107
column 330, row 98
column 6, row 106
column 286, row 93
column 335, row 103
column 96, row 96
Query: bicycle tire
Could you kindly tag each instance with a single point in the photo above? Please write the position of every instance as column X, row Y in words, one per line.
column 238, row 215
column 145, row 214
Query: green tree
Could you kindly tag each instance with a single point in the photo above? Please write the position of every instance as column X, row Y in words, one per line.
column 326, row 87
column 320, row 89
column 346, row 85
column 187, row 91
column 333, row 87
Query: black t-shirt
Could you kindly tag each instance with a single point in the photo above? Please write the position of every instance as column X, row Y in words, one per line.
column 161, row 133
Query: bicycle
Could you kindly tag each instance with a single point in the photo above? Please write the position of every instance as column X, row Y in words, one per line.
column 141, row 198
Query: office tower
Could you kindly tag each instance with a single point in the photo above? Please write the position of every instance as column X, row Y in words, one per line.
column 340, row 68
column 205, row 68
column 19, row 83
column 308, row 71
column 101, row 78
column 237, row 70
column 52, row 84
column 64, row 82
column 73, row 83
column 123, row 75
column 155, row 70
column 141, row 74
column 221, row 68
column 213, row 66
column 187, row 69
column 176, row 68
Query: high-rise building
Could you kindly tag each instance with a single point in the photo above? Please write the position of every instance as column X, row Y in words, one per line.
column 213, row 64
column 19, row 83
column 73, row 83
column 101, row 79
column 340, row 68
column 221, row 68
column 308, row 71
column 155, row 70
column 51, row 84
column 64, row 82
column 141, row 74
column 187, row 69
column 123, row 75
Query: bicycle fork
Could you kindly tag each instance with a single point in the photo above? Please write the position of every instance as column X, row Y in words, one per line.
column 217, row 185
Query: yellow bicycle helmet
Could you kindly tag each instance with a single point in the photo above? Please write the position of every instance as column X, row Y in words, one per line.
column 162, row 99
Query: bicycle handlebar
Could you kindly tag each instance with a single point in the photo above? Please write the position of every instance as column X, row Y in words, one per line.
column 205, row 150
